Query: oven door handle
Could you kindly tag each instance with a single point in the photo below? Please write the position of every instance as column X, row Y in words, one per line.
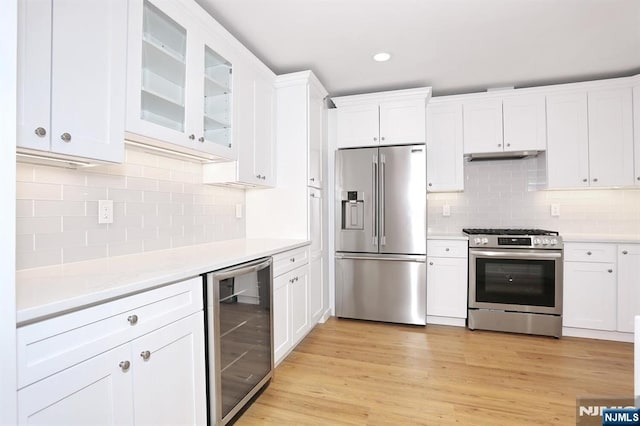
column 518, row 255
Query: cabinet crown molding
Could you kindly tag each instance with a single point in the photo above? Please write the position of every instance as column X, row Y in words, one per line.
column 378, row 97
column 298, row 78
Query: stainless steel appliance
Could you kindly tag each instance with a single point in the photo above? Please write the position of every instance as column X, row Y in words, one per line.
column 515, row 280
column 381, row 233
column 239, row 336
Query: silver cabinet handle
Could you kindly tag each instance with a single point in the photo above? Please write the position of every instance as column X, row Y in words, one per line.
column 145, row 355
column 192, row 136
column 625, row 252
column 609, row 270
column 124, row 365
column 293, row 259
column 66, row 137
column 40, row 131
column 133, row 319
column 201, row 139
column 589, row 253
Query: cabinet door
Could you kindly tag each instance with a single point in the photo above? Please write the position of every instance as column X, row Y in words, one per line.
column 316, row 292
column 482, row 124
column 264, row 141
column 403, row 122
column 447, row 287
column 34, row 74
column 358, row 126
column 169, row 374
column 281, row 318
column 567, row 141
column 524, row 123
column 636, row 132
column 589, row 295
column 315, row 221
column 611, row 137
column 314, row 123
column 628, row 286
column 97, row 391
column 445, row 162
column 299, row 303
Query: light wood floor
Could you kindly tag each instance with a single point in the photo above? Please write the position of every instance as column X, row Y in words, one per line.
column 365, row 373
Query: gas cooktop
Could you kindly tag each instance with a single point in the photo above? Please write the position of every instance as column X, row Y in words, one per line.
column 507, row 231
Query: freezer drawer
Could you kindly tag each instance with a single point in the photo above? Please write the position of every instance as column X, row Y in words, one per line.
column 382, row 288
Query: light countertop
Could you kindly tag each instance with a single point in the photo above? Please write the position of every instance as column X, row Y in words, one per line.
column 447, row 236
column 601, row 238
column 52, row 290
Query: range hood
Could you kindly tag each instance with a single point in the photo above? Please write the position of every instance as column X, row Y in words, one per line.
column 511, row 155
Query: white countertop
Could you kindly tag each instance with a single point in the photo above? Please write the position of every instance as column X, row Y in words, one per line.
column 447, row 236
column 601, row 238
column 52, row 290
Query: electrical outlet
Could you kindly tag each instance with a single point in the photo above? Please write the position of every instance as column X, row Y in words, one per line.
column 238, row 211
column 105, row 211
column 555, row 210
column 446, row 210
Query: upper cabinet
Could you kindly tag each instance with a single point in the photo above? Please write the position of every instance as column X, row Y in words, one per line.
column 72, row 79
column 636, row 134
column 504, row 124
column 590, row 138
column 180, row 81
column 385, row 118
column 445, row 163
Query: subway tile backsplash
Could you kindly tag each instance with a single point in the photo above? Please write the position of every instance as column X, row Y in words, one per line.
column 508, row 193
column 158, row 202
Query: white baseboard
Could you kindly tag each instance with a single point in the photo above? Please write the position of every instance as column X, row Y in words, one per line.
column 597, row 334
column 636, row 367
column 457, row 322
column 325, row 316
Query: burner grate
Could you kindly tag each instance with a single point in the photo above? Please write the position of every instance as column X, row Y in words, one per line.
column 507, row 231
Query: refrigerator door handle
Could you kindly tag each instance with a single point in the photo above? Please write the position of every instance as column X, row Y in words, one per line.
column 374, row 221
column 397, row 258
column 383, row 239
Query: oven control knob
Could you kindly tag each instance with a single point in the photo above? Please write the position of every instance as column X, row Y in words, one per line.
column 554, row 241
column 536, row 241
column 485, row 241
column 545, row 241
column 477, row 240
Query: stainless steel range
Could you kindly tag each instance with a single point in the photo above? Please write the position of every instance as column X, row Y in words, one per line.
column 515, row 280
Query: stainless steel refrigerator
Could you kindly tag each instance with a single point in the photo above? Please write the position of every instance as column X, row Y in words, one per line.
column 381, row 236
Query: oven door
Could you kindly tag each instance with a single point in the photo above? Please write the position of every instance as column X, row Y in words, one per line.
column 517, row 280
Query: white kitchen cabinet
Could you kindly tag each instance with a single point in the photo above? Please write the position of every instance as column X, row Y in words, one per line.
column 447, row 266
column 316, row 289
column 590, row 138
column 445, row 162
column 282, row 341
column 628, row 286
column 504, row 124
column 300, row 314
column 72, row 79
column 92, row 367
column 385, row 118
column 179, row 81
column 315, row 222
column 316, row 133
column 590, row 288
column 98, row 391
column 636, row 133
column 255, row 112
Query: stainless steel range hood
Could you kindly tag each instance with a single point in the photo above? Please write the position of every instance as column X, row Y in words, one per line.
column 512, row 155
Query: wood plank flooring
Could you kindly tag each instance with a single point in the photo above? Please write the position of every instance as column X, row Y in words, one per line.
column 365, row 373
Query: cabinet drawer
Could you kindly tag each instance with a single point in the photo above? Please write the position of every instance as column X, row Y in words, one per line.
column 288, row 260
column 447, row 248
column 55, row 344
column 589, row 252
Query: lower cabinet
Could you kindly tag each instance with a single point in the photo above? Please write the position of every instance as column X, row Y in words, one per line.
column 447, row 267
column 628, row 286
column 153, row 374
column 316, row 292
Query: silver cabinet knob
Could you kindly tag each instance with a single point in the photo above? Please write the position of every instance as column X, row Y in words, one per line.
column 259, row 176
column 313, row 195
column 430, row 184
column 375, row 139
column 382, row 138
column 446, row 249
column 499, row 145
column 584, row 180
column 625, row 252
column 312, row 179
column 638, row 178
column 508, row 144
column 66, row 137
column 145, row 355
column 192, row 136
column 124, row 365
column 133, row 319
column 201, row 139
column 609, row 270
column 589, row 253
column 595, row 179
column 40, row 131
column 431, row 263
column 293, row 259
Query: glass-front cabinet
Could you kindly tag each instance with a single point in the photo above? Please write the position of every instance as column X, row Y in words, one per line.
column 179, row 81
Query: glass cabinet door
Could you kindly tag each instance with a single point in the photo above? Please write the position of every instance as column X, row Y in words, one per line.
column 217, row 98
column 164, row 46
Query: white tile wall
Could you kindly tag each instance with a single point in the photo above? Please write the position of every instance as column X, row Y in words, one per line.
column 159, row 203
column 505, row 193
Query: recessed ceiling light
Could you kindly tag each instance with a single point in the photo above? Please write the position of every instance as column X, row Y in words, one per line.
column 381, row 57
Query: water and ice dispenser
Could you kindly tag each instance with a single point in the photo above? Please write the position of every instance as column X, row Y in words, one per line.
column 352, row 210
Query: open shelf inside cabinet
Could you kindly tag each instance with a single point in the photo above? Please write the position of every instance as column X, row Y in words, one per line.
column 217, row 98
column 162, row 111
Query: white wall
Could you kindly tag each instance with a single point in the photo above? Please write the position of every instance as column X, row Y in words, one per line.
column 8, row 43
column 159, row 203
column 505, row 193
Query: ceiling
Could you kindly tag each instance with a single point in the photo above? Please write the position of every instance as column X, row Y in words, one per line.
column 455, row 46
